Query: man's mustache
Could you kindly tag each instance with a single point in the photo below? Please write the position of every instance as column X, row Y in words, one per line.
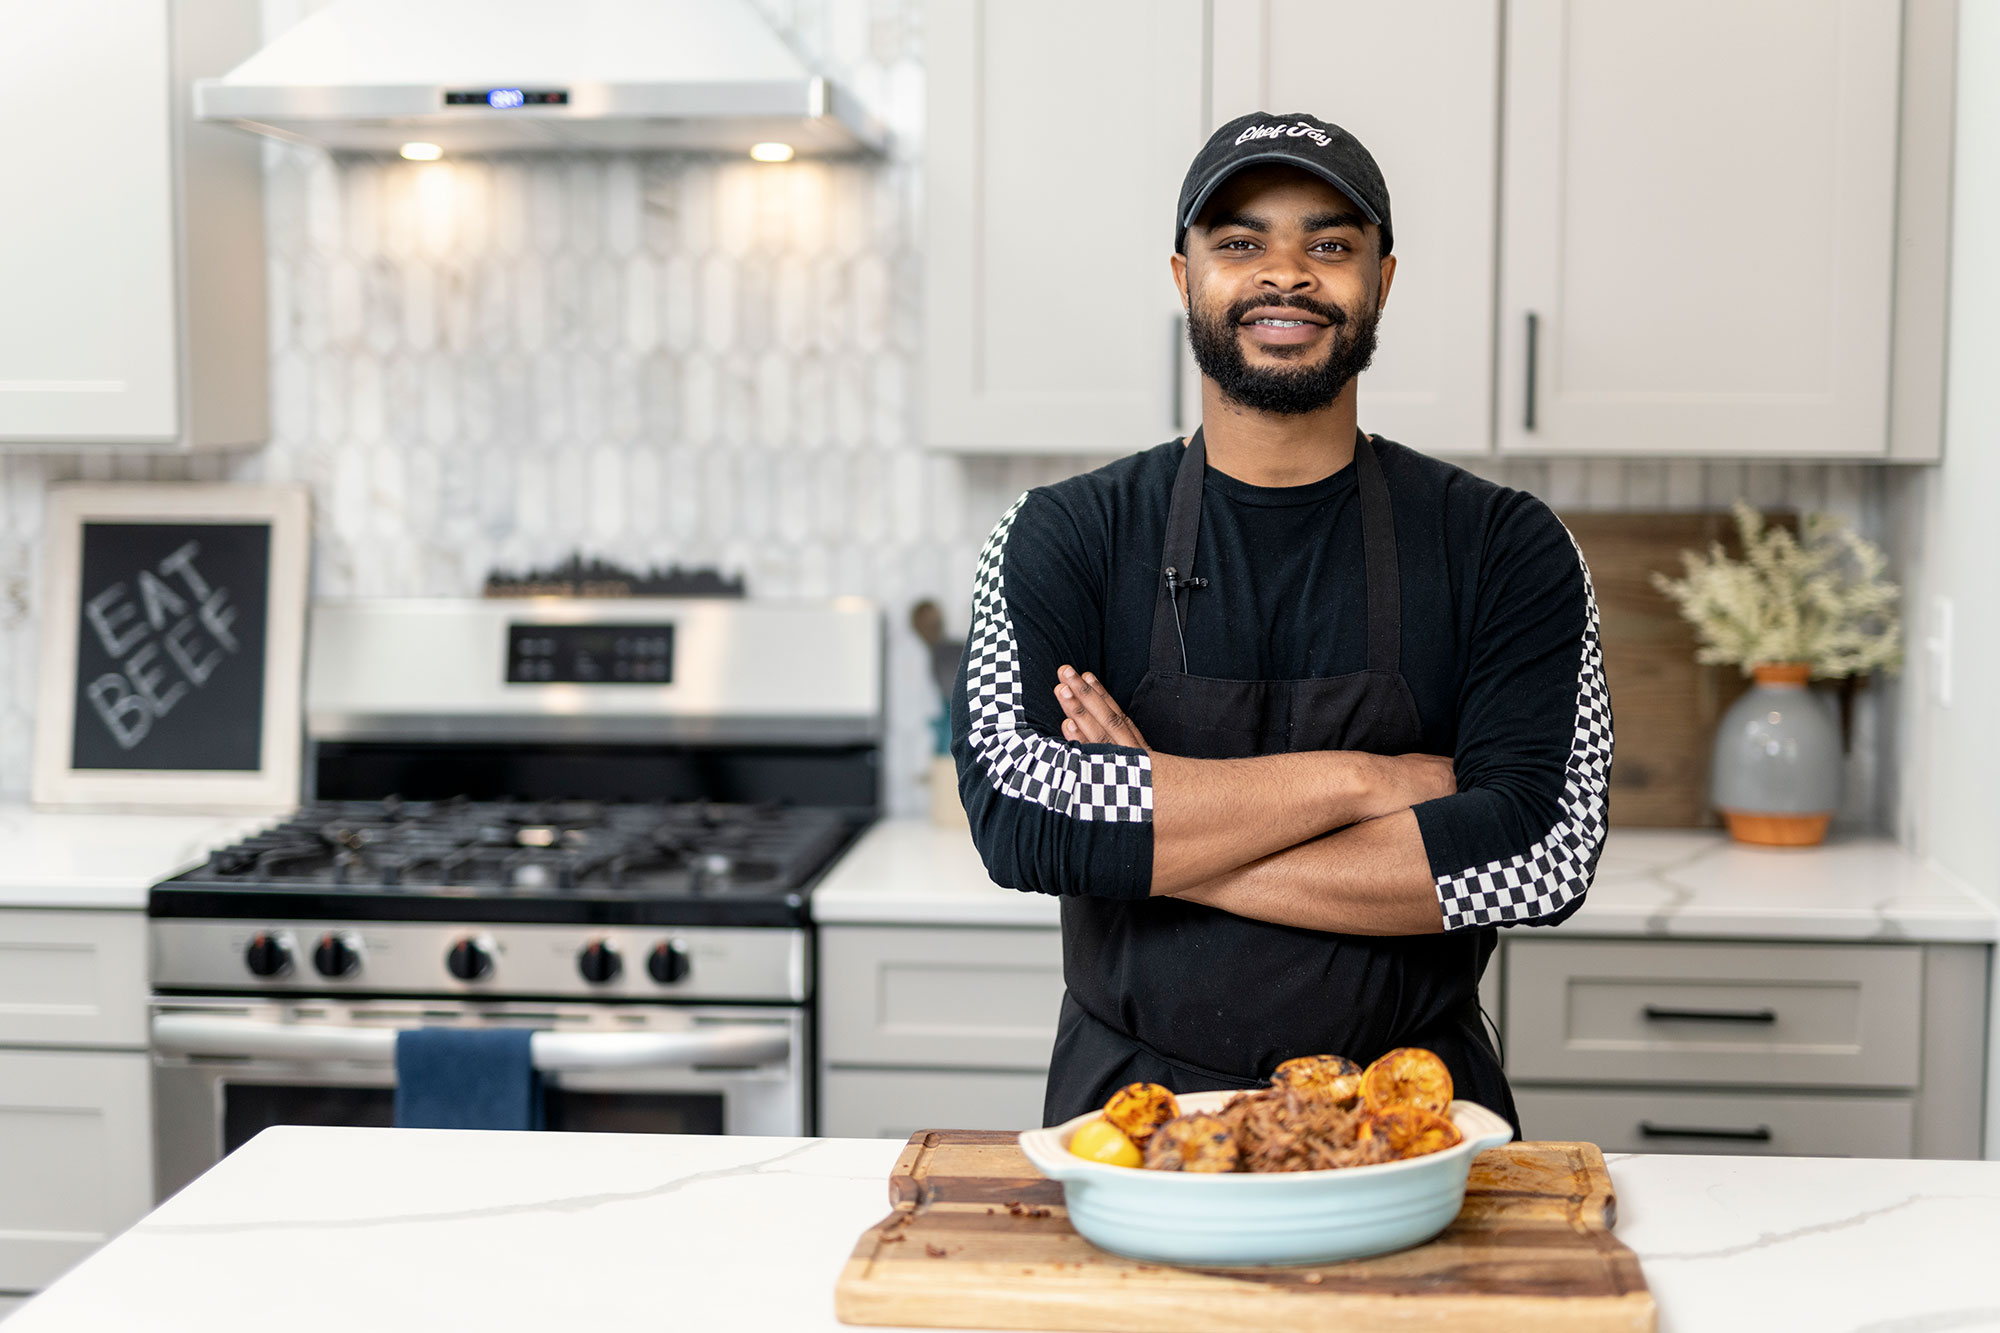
column 1332, row 314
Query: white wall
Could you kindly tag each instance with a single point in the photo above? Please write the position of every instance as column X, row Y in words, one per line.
column 1952, row 801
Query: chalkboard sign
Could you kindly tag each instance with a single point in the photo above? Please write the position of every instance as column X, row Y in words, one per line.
column 172, row 649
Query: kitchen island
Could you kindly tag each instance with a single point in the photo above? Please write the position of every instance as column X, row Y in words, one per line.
column 339, row 1229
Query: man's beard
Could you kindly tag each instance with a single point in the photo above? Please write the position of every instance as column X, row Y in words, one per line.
column 1288, row 390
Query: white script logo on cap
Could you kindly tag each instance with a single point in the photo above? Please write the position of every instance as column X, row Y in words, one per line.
column 1319, row 137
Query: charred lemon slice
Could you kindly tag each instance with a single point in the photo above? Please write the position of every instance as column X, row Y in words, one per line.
column 1408, row 1074
column 1193, row 1143
column 1410, row 1131
column 1140, row 1108
column 1324, row 1078
column 1101, row 1141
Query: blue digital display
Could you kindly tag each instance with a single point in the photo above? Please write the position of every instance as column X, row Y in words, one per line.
column 506, row 99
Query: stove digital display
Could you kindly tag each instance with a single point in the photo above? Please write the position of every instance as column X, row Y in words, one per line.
column 590, row 654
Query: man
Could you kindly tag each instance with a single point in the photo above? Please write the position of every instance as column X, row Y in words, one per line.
column 1266, row 852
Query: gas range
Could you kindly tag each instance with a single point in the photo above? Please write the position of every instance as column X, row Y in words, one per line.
column 600, row 819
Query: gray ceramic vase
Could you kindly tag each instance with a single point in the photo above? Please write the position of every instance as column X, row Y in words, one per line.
column 1776, row 770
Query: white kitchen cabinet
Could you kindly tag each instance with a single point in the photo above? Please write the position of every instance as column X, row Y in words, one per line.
column 75, row 1100
column 72, row 978
column 1057, row 137
column 935, row 1027
column 1647, row 1045
column 1432, row 125
column 75, row 1158
column 1698, row 221
column 896, row 1103
column 132, row 248
column 1619, row 231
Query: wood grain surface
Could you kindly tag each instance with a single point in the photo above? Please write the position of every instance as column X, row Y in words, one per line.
column 978, row 1239
column 1664, row 707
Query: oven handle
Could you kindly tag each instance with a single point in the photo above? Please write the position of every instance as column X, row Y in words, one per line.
column 552, row 1052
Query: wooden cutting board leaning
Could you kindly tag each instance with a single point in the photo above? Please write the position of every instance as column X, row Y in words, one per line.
column 978, row 1239
column 1664, row 705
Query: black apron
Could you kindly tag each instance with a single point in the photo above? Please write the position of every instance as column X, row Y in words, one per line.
column 1175, row 993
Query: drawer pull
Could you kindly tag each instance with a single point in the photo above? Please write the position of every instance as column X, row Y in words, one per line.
column 1649, row 1130
column 1656, row 1014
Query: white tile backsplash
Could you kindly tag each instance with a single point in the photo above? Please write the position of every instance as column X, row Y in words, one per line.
column 657, row 359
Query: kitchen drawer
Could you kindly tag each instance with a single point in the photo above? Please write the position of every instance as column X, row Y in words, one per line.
column 1661, row 1012
column 963, row 997
column 894, row 1104
column 1767, row 1124
column 75, row 1158
column 72, row 978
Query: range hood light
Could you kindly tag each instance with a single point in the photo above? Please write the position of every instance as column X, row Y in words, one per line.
column 771, row 152
column 422, row 152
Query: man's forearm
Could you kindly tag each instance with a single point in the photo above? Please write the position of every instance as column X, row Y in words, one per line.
column 1213, row 816
column 1371, row 879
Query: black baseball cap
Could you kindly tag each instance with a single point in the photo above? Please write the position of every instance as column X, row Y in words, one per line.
column 1297, row 140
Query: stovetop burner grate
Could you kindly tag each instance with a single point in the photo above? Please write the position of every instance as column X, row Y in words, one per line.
column 521, row 853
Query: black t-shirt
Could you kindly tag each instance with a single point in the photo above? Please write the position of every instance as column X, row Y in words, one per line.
column 1499, row 650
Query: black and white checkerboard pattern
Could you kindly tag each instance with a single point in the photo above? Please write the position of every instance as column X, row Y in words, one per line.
column 1018, row 760
column 1556, row 870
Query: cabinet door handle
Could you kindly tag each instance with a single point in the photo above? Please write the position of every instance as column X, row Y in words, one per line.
column 1649, row 1130
column 1177, row 332
column 1534, row 345
column 1659, row 1014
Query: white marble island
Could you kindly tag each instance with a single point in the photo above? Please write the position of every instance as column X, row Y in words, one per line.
column 344, row 1229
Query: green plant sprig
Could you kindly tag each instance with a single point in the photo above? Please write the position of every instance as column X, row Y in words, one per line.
column 1818, row 598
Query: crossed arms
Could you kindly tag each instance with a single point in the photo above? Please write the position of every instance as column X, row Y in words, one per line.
column 1322, row 839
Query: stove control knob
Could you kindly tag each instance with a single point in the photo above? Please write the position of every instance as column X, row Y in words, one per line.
column 469, row 959
column 338, row 954
column 669, row 962
column 599, row 962
column 268, row 954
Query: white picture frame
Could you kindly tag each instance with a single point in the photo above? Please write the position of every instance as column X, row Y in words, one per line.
column 175, row 600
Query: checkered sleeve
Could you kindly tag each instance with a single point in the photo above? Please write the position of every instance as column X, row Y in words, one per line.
column 1519, row 843
column 1036, row 801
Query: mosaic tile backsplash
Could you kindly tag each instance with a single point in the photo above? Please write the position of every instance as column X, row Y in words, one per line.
column 659, row 359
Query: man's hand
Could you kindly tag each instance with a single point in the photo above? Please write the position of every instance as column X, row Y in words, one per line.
column 1090, row 716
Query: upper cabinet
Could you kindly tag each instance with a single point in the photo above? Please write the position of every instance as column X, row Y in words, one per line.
column 1698, row 221
column 132, row 249
column 1431, row 124
column 1701, row 229
column 1057, row 136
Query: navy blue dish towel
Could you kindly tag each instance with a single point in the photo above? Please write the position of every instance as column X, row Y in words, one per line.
column 457, row 1078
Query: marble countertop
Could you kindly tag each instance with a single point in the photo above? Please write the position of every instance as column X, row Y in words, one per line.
column 1650, row 882
column 65, row 859
column 339, row 1229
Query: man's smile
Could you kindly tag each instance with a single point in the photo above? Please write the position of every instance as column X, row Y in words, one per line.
column 1281, row 326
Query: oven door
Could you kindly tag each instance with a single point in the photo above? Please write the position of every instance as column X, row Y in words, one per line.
column 224, row 1069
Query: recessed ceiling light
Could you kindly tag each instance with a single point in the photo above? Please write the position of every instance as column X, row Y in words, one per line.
column 422, row 152
column 771, row 152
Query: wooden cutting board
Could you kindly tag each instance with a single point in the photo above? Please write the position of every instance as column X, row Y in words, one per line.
column 1664, row 707
column 979, row 1239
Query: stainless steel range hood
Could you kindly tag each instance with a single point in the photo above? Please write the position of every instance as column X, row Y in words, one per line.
column 489, row 76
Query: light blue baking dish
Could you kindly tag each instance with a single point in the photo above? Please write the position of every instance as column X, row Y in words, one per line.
column 1245, row 1220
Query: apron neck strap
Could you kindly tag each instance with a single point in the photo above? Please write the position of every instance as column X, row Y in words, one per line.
column 1378, row 544
column 1378, row 540
column 1169, row 651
